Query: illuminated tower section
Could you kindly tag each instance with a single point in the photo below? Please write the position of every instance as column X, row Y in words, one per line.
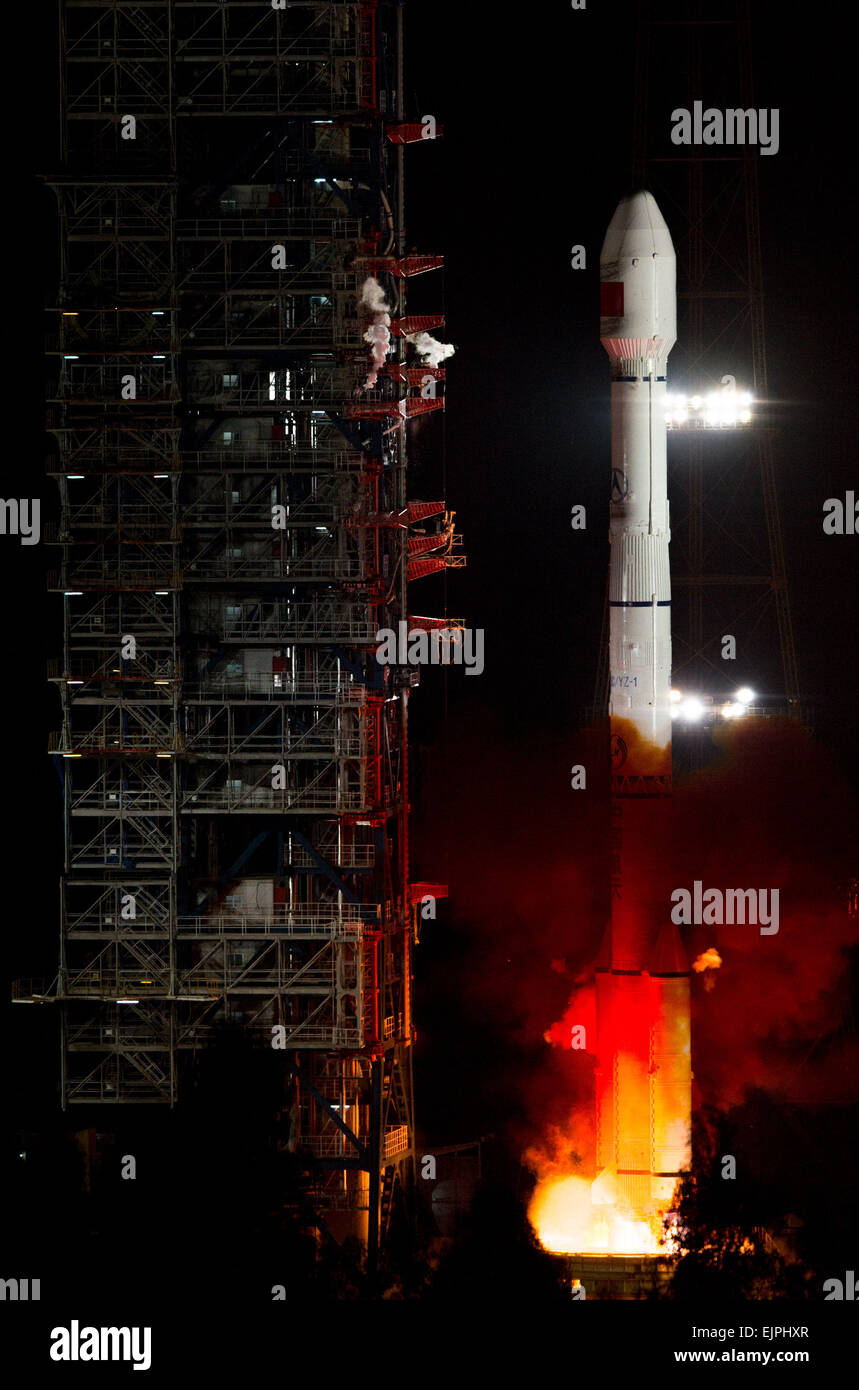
column 235, row 530
column 643, row 1077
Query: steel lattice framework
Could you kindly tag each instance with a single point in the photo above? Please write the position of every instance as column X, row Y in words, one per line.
column 234, row 757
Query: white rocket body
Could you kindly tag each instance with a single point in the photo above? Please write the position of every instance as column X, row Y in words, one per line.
column 643, row 1045
column 637, row 277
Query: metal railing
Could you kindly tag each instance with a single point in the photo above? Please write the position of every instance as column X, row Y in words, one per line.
column 337, row 923
column 396, row 1140
column 301, row 622
column 31, row 989
column 253, row 799
column 114, row 742
column 348, row 856
column 275, row 686
column 328, row 746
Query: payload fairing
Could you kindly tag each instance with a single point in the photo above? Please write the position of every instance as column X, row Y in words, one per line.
column 643, row 1079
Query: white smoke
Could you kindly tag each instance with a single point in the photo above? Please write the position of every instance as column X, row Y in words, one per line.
column 378, row 333
column 373, row 297
column 431, row 352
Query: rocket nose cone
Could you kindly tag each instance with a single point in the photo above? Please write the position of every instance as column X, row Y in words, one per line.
column 637, row 229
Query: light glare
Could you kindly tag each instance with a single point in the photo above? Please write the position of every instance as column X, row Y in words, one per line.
column 692, row 710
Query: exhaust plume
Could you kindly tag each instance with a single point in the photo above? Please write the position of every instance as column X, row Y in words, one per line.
column 528, row 865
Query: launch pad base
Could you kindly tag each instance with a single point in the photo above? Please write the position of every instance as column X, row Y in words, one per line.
column 629, row 1277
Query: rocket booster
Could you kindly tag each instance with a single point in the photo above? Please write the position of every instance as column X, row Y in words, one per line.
column 642, row 980
column 638, row 328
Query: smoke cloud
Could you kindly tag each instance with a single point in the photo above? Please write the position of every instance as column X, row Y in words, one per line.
column 377, row 334
column 431, row 352
column 775, row 813
column 708, row 960
column 529, row 877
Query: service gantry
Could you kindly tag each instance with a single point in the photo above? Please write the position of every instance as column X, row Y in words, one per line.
column 235, row 531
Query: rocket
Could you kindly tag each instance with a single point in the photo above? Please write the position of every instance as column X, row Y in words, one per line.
column 643, row 1076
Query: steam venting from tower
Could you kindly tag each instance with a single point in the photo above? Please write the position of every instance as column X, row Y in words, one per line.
column 377, row 335
column 431, row 352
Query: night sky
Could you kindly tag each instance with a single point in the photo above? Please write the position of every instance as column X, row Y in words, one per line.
column 537, row 152
column 536, row 155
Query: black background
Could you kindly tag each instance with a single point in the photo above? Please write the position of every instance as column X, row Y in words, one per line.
column 536, row 107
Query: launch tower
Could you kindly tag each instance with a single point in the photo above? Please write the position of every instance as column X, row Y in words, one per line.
column 235, row 529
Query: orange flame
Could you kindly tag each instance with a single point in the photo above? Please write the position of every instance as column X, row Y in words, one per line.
column 570, row 1214
column 567, row 1221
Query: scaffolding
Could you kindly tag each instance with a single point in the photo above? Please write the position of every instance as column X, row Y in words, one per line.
column 235, row 530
